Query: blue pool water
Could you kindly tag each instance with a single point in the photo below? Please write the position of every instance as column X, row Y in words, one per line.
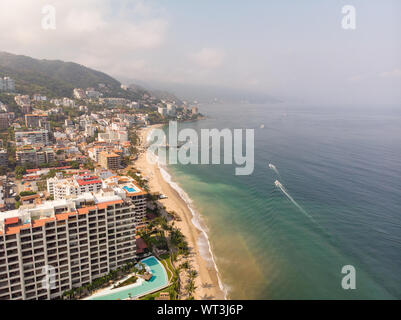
column 158, row 281
column 129, row 189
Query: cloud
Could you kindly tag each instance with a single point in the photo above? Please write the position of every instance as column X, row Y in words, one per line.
column 395, row 73
column 97, row 33
column 209, row 58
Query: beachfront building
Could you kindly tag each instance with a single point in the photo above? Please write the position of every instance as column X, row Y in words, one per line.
column 73, row 241
column 128, row 188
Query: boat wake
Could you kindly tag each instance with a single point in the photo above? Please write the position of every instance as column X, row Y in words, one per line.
column 273, row 167
column 283, row 190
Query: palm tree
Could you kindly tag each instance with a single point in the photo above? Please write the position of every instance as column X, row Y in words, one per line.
column 185, row 265
column 190, row 287
column 192, row 274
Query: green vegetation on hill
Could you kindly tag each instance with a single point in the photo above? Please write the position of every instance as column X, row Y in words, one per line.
column 55, row 78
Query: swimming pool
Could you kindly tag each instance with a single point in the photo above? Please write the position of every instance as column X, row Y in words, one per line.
column 142, row 287
column 129, row 189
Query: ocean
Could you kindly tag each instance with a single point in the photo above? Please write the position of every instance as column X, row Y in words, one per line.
column 338, row 202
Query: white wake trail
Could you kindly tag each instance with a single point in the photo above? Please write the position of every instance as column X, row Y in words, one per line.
column 273, row 167
column 281, row 187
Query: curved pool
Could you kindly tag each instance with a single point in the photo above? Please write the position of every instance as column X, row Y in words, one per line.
column 141, row 287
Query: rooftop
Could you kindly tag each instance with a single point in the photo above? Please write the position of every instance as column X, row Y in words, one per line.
column 27, row 216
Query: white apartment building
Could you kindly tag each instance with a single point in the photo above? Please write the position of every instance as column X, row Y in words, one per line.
column 92, row 93
column 38, row 97
column 171, row 109
column 68, row 103
column 22, row 100
column 61, row 188
column 113, row 136
column 79, row 94
column 70, row 243
column 90, row 130
column 126, row 187
column 162, row 111
column 7, row 84
column 57, row 102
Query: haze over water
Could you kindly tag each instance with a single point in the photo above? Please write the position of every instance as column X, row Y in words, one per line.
column 340, row 169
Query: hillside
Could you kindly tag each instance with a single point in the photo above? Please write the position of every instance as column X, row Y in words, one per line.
column 56, row 78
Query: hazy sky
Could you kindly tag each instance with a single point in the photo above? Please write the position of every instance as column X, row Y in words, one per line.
column 294, row 50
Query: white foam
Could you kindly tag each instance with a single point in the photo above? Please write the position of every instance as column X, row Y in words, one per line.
column 203, row 241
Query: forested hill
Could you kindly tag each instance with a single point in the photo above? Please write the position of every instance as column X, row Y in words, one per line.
column 56, row 78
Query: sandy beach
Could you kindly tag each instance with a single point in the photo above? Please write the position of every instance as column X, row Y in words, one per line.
column 207, row 281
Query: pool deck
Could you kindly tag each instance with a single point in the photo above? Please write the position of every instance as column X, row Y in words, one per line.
column 110, row 291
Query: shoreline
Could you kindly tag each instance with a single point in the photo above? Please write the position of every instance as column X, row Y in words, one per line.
column 208, row 283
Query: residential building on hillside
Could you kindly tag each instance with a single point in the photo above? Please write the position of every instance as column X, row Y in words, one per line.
column 63, row 188
column 3, row 158
column 162, row 111
column 7, row 84
column 109, row 160
column 79, row 94
column 22, row 100
column 39, row 98
column 33, row 120
column 32, row 137
column 4, row 121
column 68, row 103
column 34, row 156
column 92, row 93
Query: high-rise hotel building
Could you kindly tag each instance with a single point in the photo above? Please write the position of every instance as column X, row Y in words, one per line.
column 51, row 247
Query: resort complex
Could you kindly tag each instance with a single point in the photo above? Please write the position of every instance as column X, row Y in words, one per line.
column 76, row 240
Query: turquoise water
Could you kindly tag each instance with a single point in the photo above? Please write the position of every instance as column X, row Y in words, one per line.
column 340, row 169
column 157, row 282
column 129, row 189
